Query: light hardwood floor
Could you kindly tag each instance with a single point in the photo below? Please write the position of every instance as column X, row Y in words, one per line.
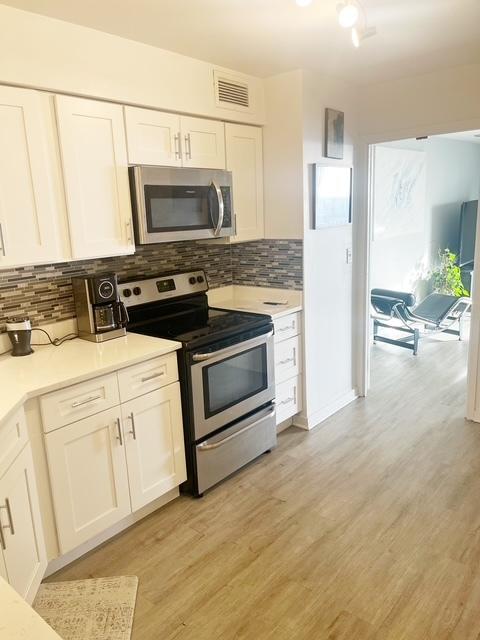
column 365, row 528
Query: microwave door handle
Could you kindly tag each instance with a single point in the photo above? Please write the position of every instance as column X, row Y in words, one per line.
column 221, row 208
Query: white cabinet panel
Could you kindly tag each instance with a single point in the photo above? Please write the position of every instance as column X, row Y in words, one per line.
column 95, row 170
column 88, row 476
column 13, row 437
column 153, row 137
column 288, row 398
column 154, row 444
column 203, row 143
column 3, row 568
column 287, row 326
column 245, row 161
column 147, row 376
column 24, row 551
column 29, row 208
column 287, row 359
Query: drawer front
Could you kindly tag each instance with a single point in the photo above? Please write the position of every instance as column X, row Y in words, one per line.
column 288, row 361
column 13, row 437
column 147, row 376
column 68, row 405
column 288, row 398
column 287, row 326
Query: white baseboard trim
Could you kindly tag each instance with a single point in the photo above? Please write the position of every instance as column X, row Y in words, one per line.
column 62, row 561
column 310, row 421
column 281, row 426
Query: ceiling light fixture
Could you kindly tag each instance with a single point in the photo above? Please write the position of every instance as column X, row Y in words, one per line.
column 348, row 14
column 358, row 35
column 303, row 3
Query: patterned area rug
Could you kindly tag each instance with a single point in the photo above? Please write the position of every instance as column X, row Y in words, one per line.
column 98, row 609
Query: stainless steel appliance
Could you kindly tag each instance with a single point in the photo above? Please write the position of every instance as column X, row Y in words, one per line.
column 100, row 314
column 20, row 333
column 226, row 371
column 181, row 204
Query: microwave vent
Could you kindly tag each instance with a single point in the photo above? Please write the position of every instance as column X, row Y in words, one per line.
column 232, row 93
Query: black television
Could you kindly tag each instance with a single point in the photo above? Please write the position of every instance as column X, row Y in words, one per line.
column 468, row 228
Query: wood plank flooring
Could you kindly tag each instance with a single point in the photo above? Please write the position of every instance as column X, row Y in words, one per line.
column 365, row 528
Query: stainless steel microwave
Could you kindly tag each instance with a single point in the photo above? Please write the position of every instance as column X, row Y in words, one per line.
column 181, row 204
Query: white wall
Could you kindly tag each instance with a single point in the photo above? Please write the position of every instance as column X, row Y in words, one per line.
column 36, row 51
column 400, row 260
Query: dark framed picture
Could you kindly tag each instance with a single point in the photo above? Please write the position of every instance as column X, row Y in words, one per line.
column 334, row 133
column 333, row 196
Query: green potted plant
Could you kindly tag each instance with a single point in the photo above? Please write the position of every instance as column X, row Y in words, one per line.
column 447, row 277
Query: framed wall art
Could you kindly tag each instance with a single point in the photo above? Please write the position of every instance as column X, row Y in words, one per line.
column 333, row 196
column 334, row 133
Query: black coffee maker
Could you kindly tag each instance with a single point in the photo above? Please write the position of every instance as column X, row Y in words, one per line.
column 20, row 332
column 100, row 313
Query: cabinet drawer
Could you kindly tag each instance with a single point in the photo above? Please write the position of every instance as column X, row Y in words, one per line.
column 287, row 326
column 147, row 376
column 288, row 398
column 287, row 359
column 13, row 437
column 68, row 405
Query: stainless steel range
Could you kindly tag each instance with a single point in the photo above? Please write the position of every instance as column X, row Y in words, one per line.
column 226, row 371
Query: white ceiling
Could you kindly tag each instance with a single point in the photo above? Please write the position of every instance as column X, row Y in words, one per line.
column 263, row 37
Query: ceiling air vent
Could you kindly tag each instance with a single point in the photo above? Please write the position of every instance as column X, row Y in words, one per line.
column 231, row 93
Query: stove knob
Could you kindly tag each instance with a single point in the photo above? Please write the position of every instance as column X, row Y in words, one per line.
column 200, row 279
column 137, row 291
column 192, row 280
column 127, row 293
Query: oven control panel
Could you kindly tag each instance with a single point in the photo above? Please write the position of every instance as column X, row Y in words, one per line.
column 135, row 292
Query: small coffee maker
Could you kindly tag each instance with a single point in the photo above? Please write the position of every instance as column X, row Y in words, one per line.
column 100, row 314
column 20, row 332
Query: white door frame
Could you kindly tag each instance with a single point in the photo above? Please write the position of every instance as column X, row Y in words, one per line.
column 363, row 222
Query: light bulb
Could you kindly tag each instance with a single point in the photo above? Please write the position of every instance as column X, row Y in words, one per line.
column 355, row 38
column 347, row 14
column 303, row 3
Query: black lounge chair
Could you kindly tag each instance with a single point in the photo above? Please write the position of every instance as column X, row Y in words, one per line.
column 437, row 313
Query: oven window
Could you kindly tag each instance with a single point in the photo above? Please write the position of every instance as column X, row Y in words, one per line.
column 234, row 379
column 177, row 208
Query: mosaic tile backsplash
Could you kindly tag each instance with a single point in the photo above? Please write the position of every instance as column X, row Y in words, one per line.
column 44, row 293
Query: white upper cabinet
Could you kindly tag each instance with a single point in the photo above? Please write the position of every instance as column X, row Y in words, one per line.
column 95, row 172
column 203, row 143
column 153, row 137
column 30, row 206
column 245, row 161
column 22, row 540
column 166, row 139
column 154, row 444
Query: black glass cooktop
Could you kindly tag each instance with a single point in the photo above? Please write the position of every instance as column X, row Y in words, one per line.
column 192, row 322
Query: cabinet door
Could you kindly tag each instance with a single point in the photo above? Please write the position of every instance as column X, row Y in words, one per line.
column 29, row 208
column 88, row 474
column 154, row 444
column 153, row 137
column 95, row 171
column 24, row 550
column 203, row 143
column 245, row 161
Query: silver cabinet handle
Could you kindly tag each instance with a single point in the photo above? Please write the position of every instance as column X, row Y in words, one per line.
column 128, row 225
column 288, row 328
column 160, row 374
column 221, row 208
column 133, row 431
column 286, row 361
column 10, row 526
column 201, row 357
column 188, row 147
column 2, row 241
column 3, row 544
column 178, row 146
column 79, row 403
column 288, row 400
column 207, row 447
column 119, row 432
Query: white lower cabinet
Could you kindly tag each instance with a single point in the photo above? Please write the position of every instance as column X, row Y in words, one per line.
column 288, row 366
column 23, row 554
column 88, row 477
column 154, row 444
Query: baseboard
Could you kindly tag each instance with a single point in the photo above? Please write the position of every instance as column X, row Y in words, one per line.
column 281, row 426
column 310, row 421
column 59, row 563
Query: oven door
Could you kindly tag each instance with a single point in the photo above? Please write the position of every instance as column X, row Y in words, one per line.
column 230, row 382
column 181, row 204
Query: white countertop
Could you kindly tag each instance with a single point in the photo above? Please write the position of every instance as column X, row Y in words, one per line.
column 256, row 300
column 51, row 368
column 18, row 621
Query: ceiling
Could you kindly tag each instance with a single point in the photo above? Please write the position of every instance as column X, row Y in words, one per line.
column 264, row 37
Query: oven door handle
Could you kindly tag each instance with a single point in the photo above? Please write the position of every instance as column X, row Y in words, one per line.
column 221, row 209
column 202, row 357
column 204, row 446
